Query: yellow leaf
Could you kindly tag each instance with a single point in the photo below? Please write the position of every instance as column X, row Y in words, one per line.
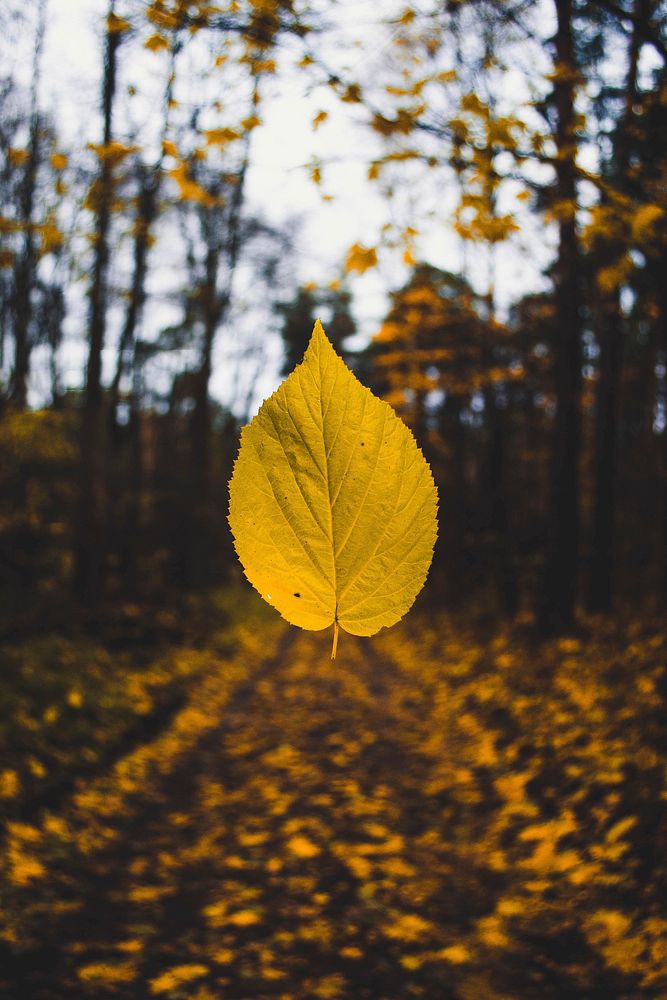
column 117, row 25
column 457, row 954
column 302, row 847
column 402, row 124
column 408, row 927
column 52, row 238
column 646, row 222
column 17, row 157
column 160, row 17
column 156, row 42
column 58, row 161
column 74, row 698
column 412, row 962
column 352, row 94
column 360, row 258
column 107, row 973
column 190, row 190
column 332, row 504
column 243, row 918
column 262, row 66
column 115, row 152
column 172, row 978
column 10, row 785
column 221, row 136
column 620, row 829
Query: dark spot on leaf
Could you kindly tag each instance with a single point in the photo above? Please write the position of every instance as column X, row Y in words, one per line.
column 297, row 595
column 362, row 444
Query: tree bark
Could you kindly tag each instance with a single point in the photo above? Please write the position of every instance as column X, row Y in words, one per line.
column 600, row 587
column 559, row 590
column 502, row 558
column 662, row 285
column 137, row 297
column 213, row 309
column 215, row 304
column 24, row 276
column 451, row 553
column 149, row 190
column 610, row 339
column 89, row 556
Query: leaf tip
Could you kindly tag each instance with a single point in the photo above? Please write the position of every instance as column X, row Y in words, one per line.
column 318, row 331
column 319, row 344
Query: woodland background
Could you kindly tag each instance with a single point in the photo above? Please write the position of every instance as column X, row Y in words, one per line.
column 525, row 130
column 545, row 421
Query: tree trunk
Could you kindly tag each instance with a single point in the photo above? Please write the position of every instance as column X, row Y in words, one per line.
column 213, row 310
column 131, row 502
column 24, row 276
column 600, row 588
column 214, row 303
column 610, row 337
column 502, row 559
column 662, row 285
column 89, row 546
column 451, row 552
column 559, row 588
column 150, row 184
column 137, row 296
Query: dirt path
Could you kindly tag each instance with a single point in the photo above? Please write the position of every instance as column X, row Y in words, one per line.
column 314, row 830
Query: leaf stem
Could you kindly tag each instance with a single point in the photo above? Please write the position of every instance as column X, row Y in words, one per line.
column 335, row 640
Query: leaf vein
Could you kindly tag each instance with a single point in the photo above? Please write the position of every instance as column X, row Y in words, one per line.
column 280, row 508
column 383, row 533
column 391, row 573
column 370, row 480
column 349, row 461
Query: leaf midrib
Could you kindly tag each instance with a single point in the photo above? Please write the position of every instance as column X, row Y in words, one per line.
column 327, row 478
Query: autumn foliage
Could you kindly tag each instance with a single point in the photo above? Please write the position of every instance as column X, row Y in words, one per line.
column 431, row 817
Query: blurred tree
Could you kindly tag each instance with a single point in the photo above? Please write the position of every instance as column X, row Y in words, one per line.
column 443, row 365
column 26, row 260
column 149, row 180
column 648, row 166
column 466, row 51
column 559, row 590
column 88, row 570
column 213, row 194
column 298, row 318
column 610, row 252
column 332, row 306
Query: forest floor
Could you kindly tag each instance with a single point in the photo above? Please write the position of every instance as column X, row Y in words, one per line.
column 434, row 814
